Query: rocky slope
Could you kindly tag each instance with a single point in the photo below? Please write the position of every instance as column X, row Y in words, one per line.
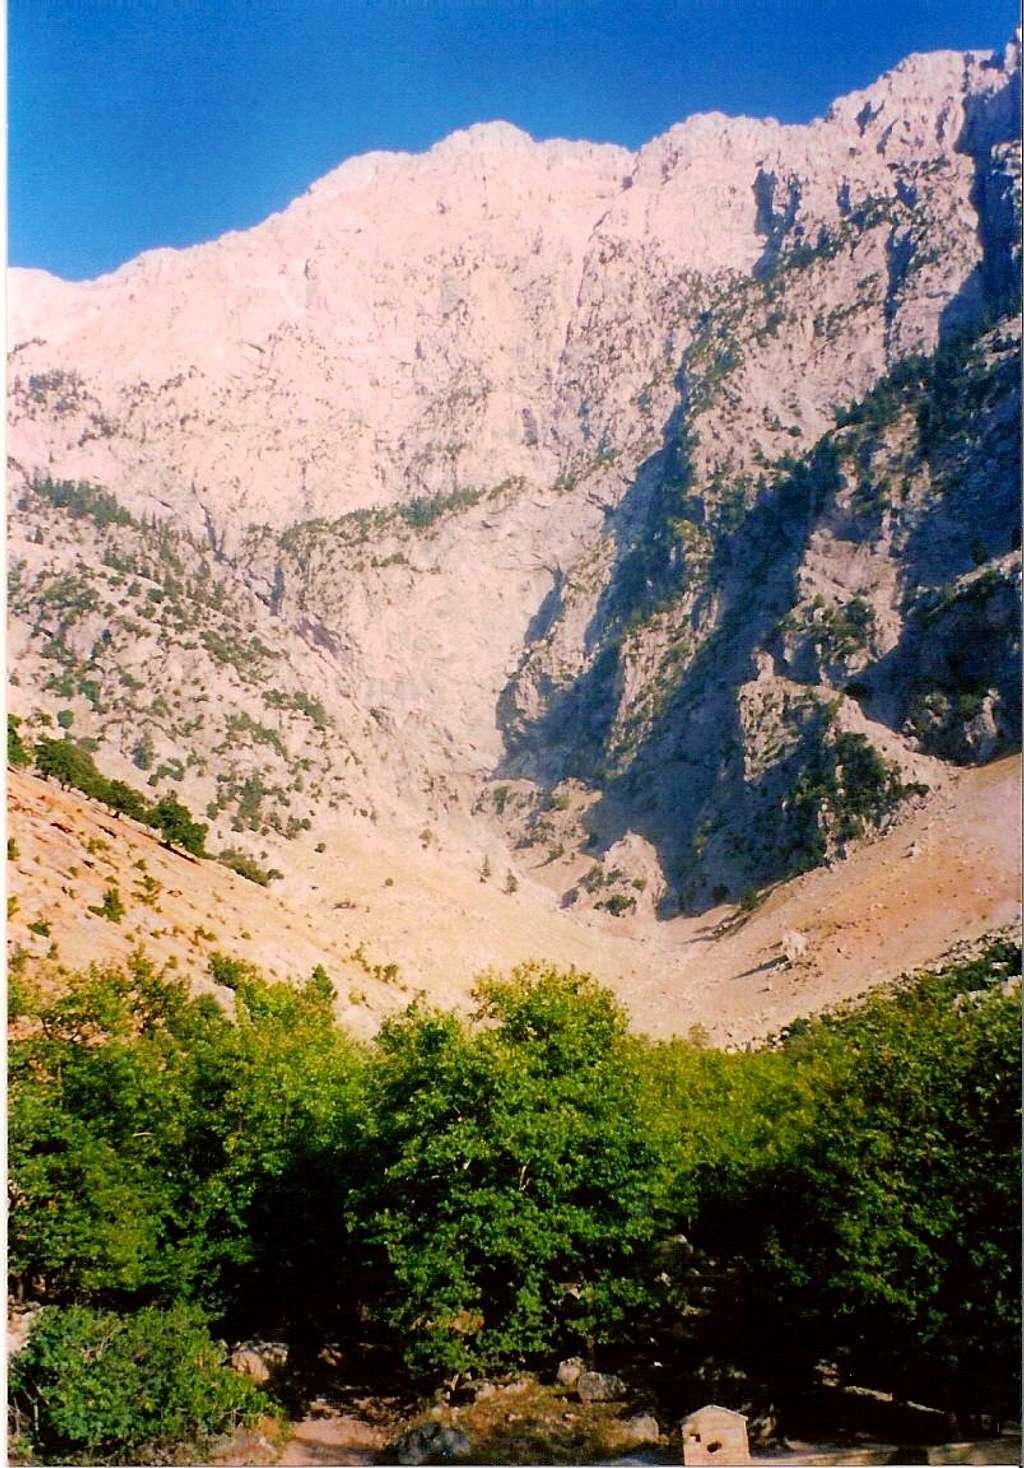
column 387, row 921
column 642, row 523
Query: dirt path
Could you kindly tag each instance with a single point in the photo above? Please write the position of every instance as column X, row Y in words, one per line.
column 331, row 1439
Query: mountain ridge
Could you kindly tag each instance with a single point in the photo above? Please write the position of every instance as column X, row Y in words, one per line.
column 646, row 530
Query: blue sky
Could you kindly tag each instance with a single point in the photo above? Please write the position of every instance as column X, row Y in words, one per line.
column 138, row 123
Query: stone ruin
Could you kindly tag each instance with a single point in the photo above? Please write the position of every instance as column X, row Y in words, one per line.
column 715, row 1435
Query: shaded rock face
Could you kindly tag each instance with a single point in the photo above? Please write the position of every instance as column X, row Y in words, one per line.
column 522, row 466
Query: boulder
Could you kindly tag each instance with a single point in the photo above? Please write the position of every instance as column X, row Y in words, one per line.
column 569, row 1372
column 259, row 1360
column 19, row 1328
column 642, row 1428
column 433, row 1442
column 599, row 1386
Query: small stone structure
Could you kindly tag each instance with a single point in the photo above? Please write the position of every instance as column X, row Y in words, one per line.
column 715, row 1435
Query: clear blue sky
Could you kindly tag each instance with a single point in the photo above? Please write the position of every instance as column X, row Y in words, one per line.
column 137, row 123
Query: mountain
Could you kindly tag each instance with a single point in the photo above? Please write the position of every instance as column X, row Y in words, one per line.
column 642, row 523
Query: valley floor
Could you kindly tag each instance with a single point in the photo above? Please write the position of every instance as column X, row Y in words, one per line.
column 947, row 875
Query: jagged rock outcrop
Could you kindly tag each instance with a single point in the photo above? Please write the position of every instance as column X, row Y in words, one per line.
column 682, row 480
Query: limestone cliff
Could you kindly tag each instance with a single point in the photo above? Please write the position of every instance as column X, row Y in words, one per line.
column 651, row 514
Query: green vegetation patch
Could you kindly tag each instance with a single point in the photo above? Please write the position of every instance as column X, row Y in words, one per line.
column 487, row 1193
column 94, row 1386
column 83, row 501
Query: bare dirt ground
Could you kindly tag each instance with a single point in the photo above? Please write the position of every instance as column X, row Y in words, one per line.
column 948, row 874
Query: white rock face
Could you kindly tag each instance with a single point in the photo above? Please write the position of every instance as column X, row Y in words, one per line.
column 485, row 451
column 490, row 308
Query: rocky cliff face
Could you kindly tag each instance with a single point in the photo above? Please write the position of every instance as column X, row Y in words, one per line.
column 652, row 513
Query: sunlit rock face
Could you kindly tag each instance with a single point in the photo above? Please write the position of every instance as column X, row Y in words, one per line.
column 617, row 535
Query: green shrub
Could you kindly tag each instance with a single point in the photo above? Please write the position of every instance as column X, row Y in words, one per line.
column 123, row 800
column 908, row 1262
column 92, row 1385
column 163, row 1152
column 18, row 753
column 175, row 823
column 111, row 908
column 230, row 971
column 142, row 756
column 618, row 904
column 245, row 866
column 63, row 761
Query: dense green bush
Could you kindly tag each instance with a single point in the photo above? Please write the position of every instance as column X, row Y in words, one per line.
column 147, row 1130
column 62, row 760
column 94, row 1386
column 175, row 823
column 909, row 1257
column 485, row 1193
column 512, row 1185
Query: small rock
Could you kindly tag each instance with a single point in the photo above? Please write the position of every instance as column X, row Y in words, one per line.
column 433, row 1441
column 482, row 1390
column 599, row 1386
column 569, row 1372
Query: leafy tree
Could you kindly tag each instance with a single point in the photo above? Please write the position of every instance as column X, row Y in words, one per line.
column 512, row 1190
column 124, row 801
column 176, row 825
column 159, row 1151
column 889, row 1239
column 95, row 1386
column 496, row 1190
column 67, row 763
